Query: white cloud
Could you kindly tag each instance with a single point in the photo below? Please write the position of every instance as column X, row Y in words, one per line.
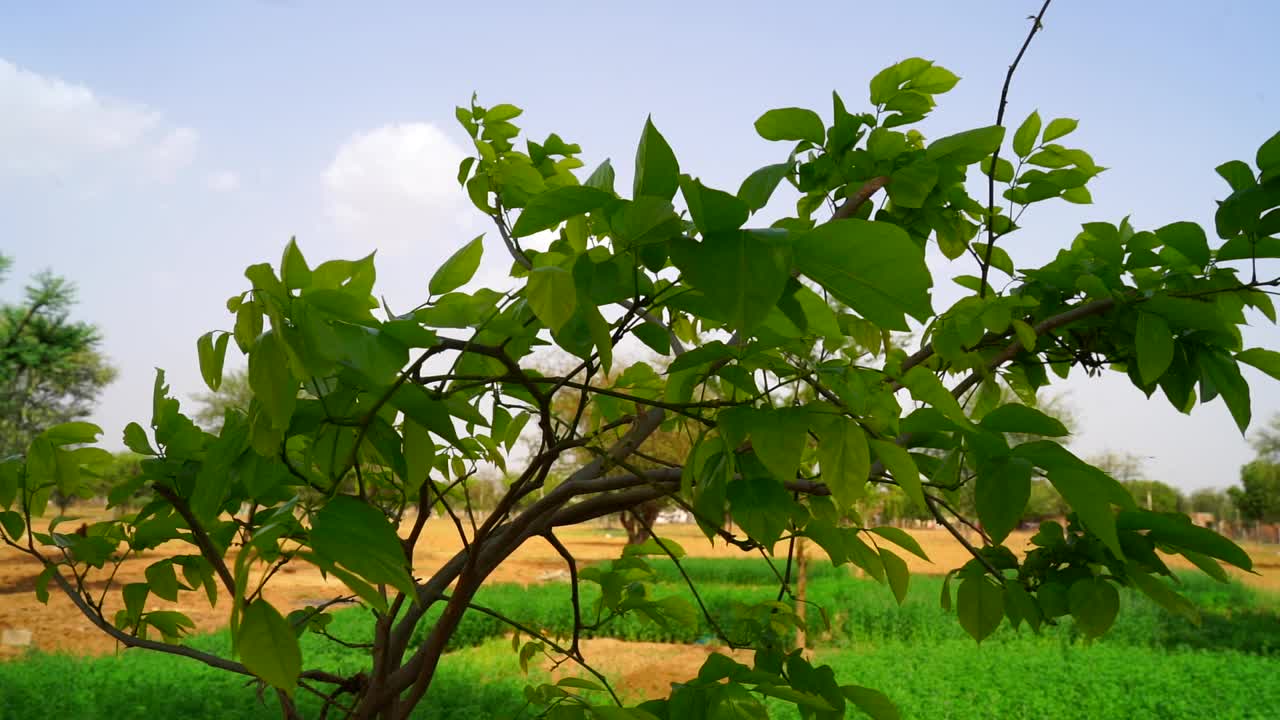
column 54, row 129
column 395, row 187
column 223, row 181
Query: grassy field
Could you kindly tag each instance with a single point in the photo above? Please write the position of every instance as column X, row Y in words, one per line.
column 1152, row 664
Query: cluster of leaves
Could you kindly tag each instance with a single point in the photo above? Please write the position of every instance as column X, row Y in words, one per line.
column 781, row 368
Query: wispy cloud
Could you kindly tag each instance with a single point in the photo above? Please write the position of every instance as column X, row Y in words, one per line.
column 54, row 129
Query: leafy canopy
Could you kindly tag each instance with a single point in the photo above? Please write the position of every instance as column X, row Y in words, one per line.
column 781, row 361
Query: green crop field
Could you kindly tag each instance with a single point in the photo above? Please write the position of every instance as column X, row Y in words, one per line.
column 1151, row 664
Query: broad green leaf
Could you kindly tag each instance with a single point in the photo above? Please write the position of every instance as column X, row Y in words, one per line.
column 1024, row 139
column 552, row 296
column 1080, row 488
column 657, row 172
column 1268, row 157
column 741, row 275
column 845, row 460
column 760, row 506
column 1059, row 127
column 979, row 606
column 268, row 646
column 1268, row 361
column 756, row 190
column 1094, row 603
column 872, row 702
column 458, row 269
column 1187, row 238
column 899, row 464
column 1177, row 530
column 432, row 414
column 1001, row 493
column 778, row 437
column 791, row 124
column 1238, row 174
column 927, row 388
column 1153, row 342
column 419, row 454
column 873, row 267
column 294, row 272
column 1158, row 591
column 163, row 580
column 902, row 539
column 1222, row 370
column 273, row 384
column 713, row 211
column 895, row 571
column 1026, row 334
column 73, row 433
column 933, row 79
column 212, row 354
column 502, row 113
column 12, row 523
column 1019, row 606
column 548, row 209
column 359, row 537
column 909, row 186
column 645, row 220
column 1016, row 418
column 602, row 177
column 966, row 147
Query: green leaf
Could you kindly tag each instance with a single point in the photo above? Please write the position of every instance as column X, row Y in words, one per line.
column 1153, row 342
column 979, row 606
column 1222, row 370
column 933, row 80
column 927, row 388
column 359, row 537
column 293, row 268
column 1187, row 238
column 212, row 354
column 899, row 464
column 602, row 177
column 872, row 702
column 268, row 646
column 967, row 147
column 1017, row 418
column 657, row 172
column 1058, row 128
column 1026, row 334
column 1268, row 361
column 163, row 580
column 713, row 211
column 458, row 269
column 1080, row 488
column 895, row 570
column 760, row 505
column 845, row 460
column 759, row 185
column 740, row 274
column 272, row 383
column 791, row 124
column 1268, row 158
column 778, row 437
column 73, row 433
column 1166, row 598
column 874, row 268
column 12, row 524
column 502, row 113
column 1024, row 139
column 909, row 186
column 1177, row 529
column 1001, row 494
column 552, row 296
column 1094, row 603
column 548, row 209
column 1238, row 174
column 645, row 220
column 902, row 539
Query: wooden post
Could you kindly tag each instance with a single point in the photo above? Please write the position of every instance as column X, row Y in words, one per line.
column 802, row 577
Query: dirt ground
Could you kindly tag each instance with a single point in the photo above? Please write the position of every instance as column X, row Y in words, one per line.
column 60, row 626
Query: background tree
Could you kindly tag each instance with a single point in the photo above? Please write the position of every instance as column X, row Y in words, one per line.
column 767, row 339
column 233, row 394
column 50, row 369
column 1258, row 497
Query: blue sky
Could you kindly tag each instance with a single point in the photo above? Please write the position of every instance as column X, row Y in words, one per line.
column 151, row 151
